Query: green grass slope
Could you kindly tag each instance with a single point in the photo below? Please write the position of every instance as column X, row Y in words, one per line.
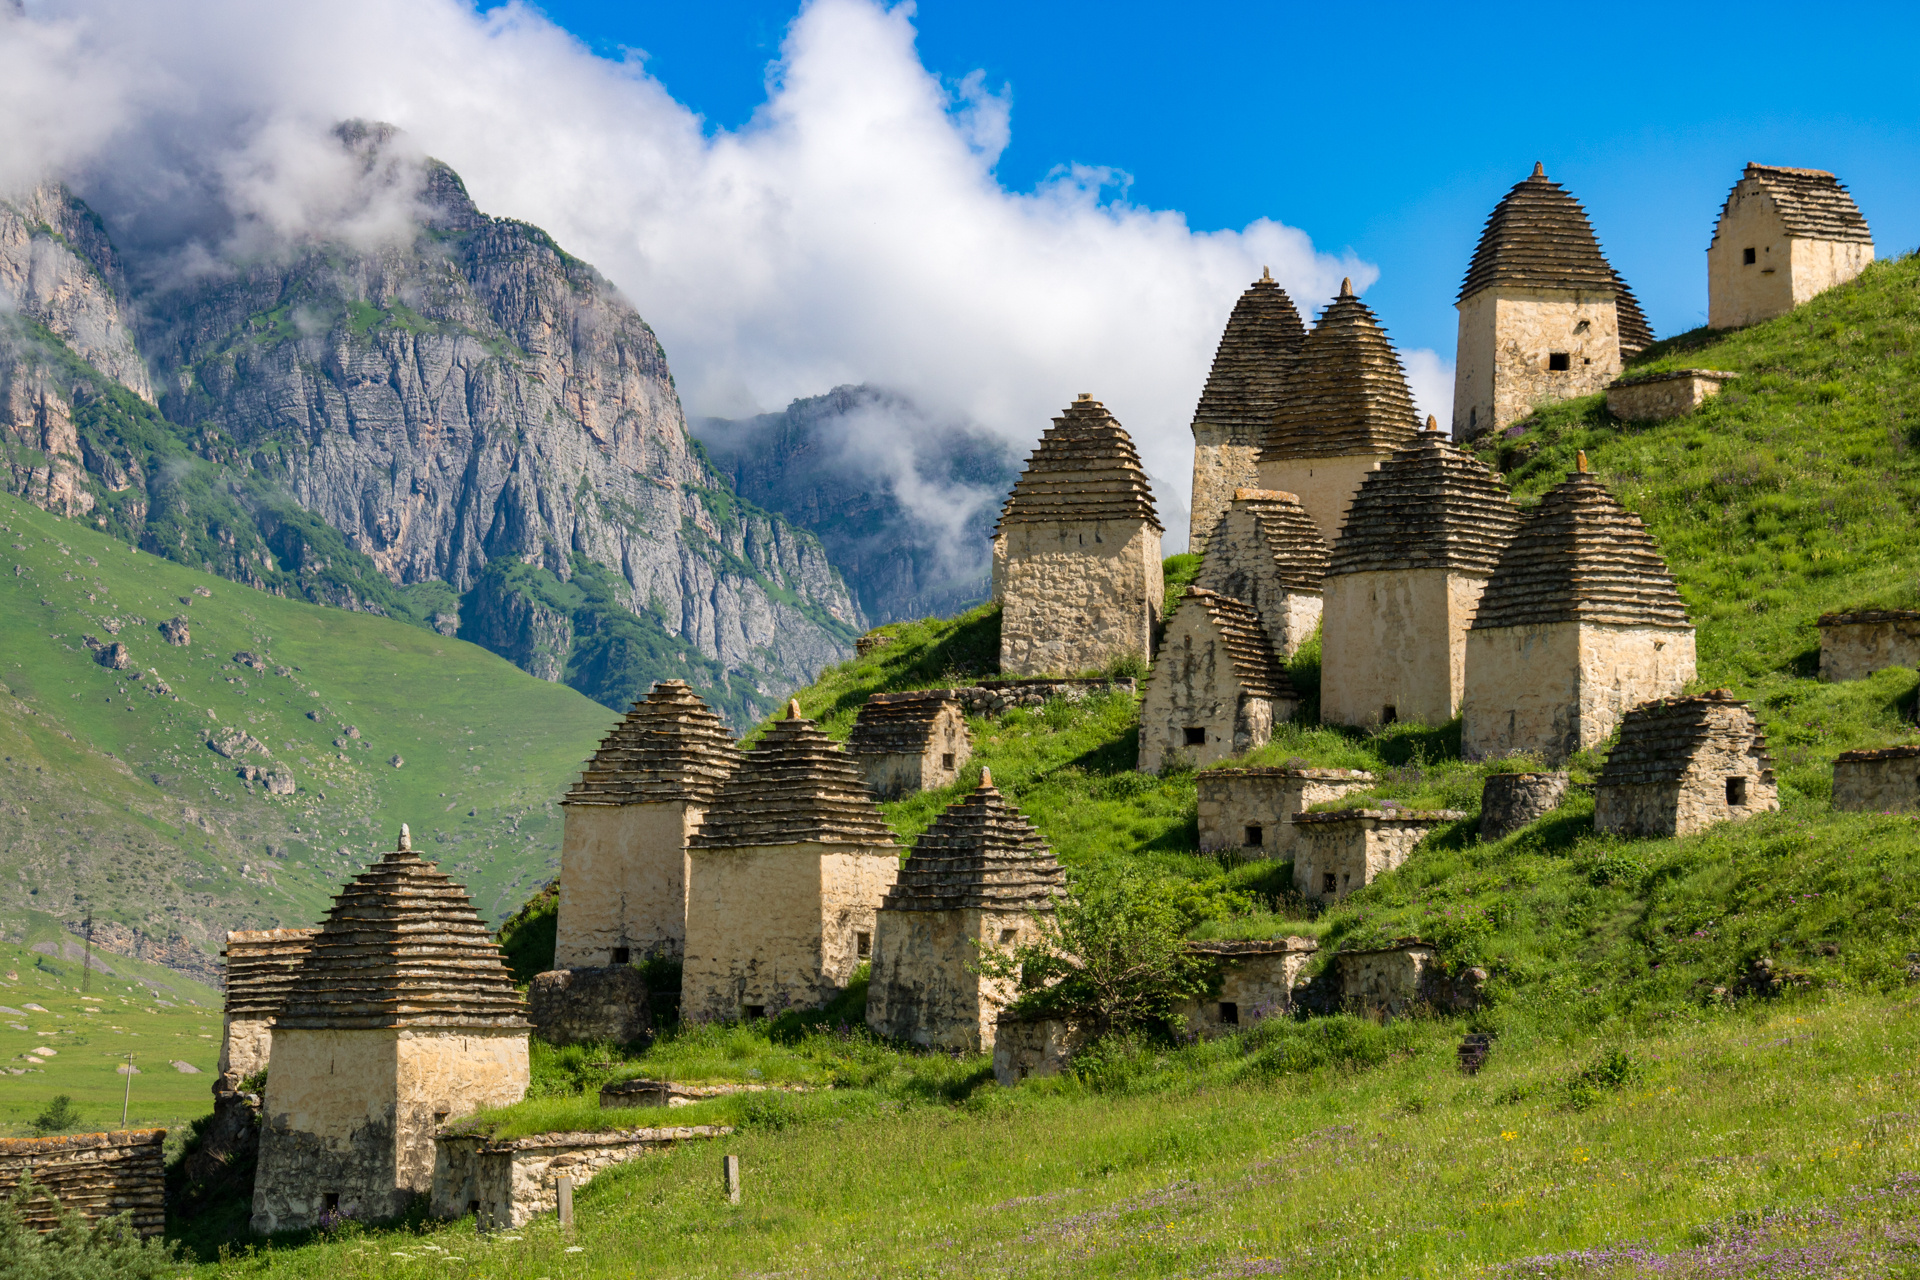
column 111, row 797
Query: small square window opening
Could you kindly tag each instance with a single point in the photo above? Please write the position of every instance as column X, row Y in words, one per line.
column 1736, row 791
column 1196, row 735
column 1747, row 257
column 863, row 944
column 1229, row 1013
column 330, row 1201
column 946, row 760
column 1328, row 884
column 1559, row 361
column 623, row 955
column 1007, row 936
column 1256, row 836
column 1389, row 714
column 753, row 1012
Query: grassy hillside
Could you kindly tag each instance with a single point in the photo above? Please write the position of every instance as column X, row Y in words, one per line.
column 112, row 797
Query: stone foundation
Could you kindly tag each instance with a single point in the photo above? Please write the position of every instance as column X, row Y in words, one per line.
column 1256, row 983
column 1510, row 801
column 1389, row 982
column 1340, row 852
column 1252, row 810
column 569, row 1006
column 1040, row 1047
column 1656, row 397
column 1884, row 781
column 96, row 1174
column 1855, row 645
column 639, row 1092
column 510, row 1183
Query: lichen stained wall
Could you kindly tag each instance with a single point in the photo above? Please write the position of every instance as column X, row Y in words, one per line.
column 1855, row 650
column 1507, row 334
column 1325, row 486
column 1219, row 467
column 1194, row 685
column 1257, row 987
column 1560, row 688
column 245, row 1044
column 1233, row 800
column 1078, row 596
column 922, row 989
column 623, row 881
column 1396, row 639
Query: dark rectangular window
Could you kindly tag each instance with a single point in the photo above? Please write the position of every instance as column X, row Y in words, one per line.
column 1747, row 256
column 1256, row 836
column 946, row 760
column 1196, row 735
column 1328, row 884
column 1559, row 361
column 1736, row 791
column 330, row 1201
column 623, row 955
column 1229, row 1013
column 753, row 1012
column 863, row 945
column 1389, row 713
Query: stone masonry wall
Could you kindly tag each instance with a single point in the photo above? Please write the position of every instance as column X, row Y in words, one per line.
column 1355, row 846
column 1741, row 292
column 572, row 1006
column 1078, row 596
column 1556, row 689
column 1507, row 334
column 1325, row 486
column 1219, row 467
column 1663, row 396
column 1855, row 645
column 1195, row 685
column 1396, row 639
column 1885, row 781
column 922, row 989
column 511, row 1183
column 1256, row 983
column 623, row 881
column 1037, row 1047
column 1510, row 801
column 97, row 1174
column 1234, row 800
column 245, row 1047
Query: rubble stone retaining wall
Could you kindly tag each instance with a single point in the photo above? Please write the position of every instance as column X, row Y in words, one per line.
column 510, row 1183
column 1882, row 781
column 1855, row 645
column 1510, row 801
column 568, row 1006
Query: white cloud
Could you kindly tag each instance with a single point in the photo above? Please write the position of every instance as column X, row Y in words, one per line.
column 853, row 231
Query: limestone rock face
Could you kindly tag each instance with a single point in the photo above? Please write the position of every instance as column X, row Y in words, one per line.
column 58, row 269
column 1249, row 374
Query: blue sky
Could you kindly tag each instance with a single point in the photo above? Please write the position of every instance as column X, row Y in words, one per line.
column 1392, row 129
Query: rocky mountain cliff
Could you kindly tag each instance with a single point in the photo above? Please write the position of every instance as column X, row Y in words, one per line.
column 376, row 425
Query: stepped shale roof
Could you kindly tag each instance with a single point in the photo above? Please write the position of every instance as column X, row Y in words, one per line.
column 1861, row 616
column 1262, row 337
column 262, row 966
column 1299, row 550
column 670, row 746
column 1346, row 394
column 1084, row 468
column 1581, row 557
column 1813, row 203
column 1538, row 237
column 1245, row 641
column 899, row 723
column 403, row 947
column 1636, row 335
column 1909, row 752
column 1660, row 739
column 981, row 852
column 795, row 787
column 1429, row 506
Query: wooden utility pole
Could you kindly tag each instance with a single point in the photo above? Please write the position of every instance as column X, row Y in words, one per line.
column 86, row 966
column 126, row 1098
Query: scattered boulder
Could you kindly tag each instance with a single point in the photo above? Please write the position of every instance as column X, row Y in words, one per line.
column 350, row 731
column 113, row 656
column 396, row 762
column 1510, row 801
column 234, row 743
column 250, row 660
column 175, row 631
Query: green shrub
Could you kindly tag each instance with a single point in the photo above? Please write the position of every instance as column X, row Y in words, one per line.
column 108, row 1250
column 59, row 1117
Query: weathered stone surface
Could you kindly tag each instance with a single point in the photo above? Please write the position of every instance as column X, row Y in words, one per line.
column 908, row 742
column 1077, row 551
column 1384, row 983
column 1655, row 397
column 1882, row 781
column 58, row 268
column 509, row 1183
column 1217, row 689
column 637, row 1091
column 1256, row 983
column 1682, row 765
column 1346, row 407
column 569, row 1006
column 261, row 967
column 623, row 854
column 1784, row 236
column 1855, row 645
column 977, row 878
column 1510, row 801
column 1262, row 337
column 175, row 631
column 1339, row 852
column 97, row 1174
column 1252, row 810
column 1024, row 1048
column 1266, row 552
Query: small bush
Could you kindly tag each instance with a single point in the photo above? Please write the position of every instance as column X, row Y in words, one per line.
column 59, row 1117
column 108, row 1250
column 1611, row 1072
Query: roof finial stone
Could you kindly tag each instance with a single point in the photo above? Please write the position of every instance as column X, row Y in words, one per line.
column 1266, row 276
column 1539, row 170
column 1346, row 286
column 1581, row 460
column 986, row 777
column 406, row 840
column 793, row 708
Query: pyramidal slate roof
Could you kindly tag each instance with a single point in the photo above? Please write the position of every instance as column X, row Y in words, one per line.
column 899, row 723
column 1581, row 557
column 1538, row 236
column 795, row 787
column 670, row 746
column 1299, row 550
column 262, row 965
column 1813, row 203
column 1429, row 506
column 1660, row 739
column 403, row 947
column 1084, row 468
column 1262, row 337
column 1346, row 394
column 1245, row 640
column 981, row 852
column 1636, row 335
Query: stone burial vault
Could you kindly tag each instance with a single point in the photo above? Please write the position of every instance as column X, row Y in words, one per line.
column 786, row 874
column 402, row 1017
column 1256, row 983
column 1683, row 764
column 1421, row 539
column 1580, row 621
column 262, row 968
column 1076, row 555
column 623, row 854
column 1217, row 689
column 1343, row 850
column 1345, row 409
column 1267, row 553
column 1252, row 810
column 1784, row 236
column 1886, row 780
column 1249, row 377
column 1855, row 645
column 908, row 742
column 978, row 879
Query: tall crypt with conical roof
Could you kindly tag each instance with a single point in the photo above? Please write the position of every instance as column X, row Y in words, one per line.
column 1345, row 408
column 402, row 1016
column 623, row 855
column 1262, row 337
column 1076, row 555
column 786, row 873
column 1543, row 316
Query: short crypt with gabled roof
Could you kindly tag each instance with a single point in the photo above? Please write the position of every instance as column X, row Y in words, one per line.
column 1580, row 621
column 403, row 1016
column 1544, row 316
column 786, row 874
column 1076, row 555
column 623, row 855
column 1784, row 236
column 1682, row 765
column 1262, row 337
column 1345, row 409
column 1404, row 582
column 1217, row 689
column 978, row 879
column 1267, row 553
column 908, row 742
